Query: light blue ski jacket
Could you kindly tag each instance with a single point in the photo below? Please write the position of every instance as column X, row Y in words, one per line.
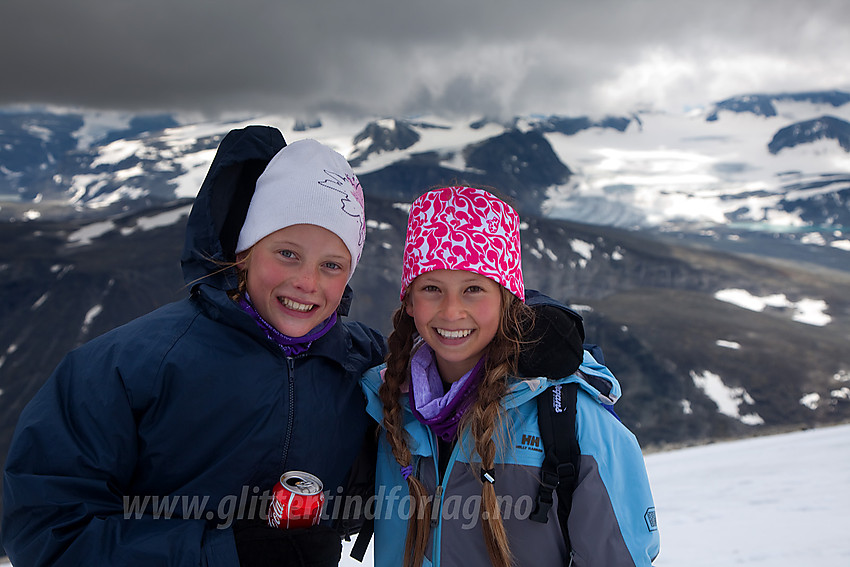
column 612, row 520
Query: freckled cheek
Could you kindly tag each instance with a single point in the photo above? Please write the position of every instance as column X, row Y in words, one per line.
column 265, row 281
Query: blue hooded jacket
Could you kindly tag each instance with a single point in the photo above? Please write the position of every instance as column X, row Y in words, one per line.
column 147, row 442
column 612, row 516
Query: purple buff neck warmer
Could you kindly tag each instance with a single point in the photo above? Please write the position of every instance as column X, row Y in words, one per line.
column 439, row 410
column 291, row 346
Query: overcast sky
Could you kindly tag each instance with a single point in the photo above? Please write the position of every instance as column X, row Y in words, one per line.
column 395, row 57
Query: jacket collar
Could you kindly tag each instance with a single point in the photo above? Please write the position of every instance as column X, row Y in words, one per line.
column 333, row 345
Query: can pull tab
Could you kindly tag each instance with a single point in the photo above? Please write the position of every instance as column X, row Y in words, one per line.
column 435, row 507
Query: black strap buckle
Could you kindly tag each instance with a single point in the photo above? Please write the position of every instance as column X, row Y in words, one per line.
column 566, row 473
column 548, row 483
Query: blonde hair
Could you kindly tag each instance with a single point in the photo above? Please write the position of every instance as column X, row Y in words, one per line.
column 241, row 277
column 482, row 420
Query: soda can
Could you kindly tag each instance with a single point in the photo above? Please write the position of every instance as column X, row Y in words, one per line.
column 297, row 501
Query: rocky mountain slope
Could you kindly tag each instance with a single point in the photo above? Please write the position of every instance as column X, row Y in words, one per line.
column 676, row 321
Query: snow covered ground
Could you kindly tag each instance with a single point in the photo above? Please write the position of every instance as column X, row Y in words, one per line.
column 778, row 501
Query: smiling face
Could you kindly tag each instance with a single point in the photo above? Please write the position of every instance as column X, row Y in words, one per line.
column 457, row 313
column 296, row 277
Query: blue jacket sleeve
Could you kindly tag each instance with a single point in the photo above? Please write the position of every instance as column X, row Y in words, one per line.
column 612, row 521
column 72, row 458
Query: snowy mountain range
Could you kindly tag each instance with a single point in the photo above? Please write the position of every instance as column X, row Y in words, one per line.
column 769, row 162
column 708, row 250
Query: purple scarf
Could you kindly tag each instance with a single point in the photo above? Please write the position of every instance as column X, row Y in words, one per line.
column 291, row 346
column 439, row 410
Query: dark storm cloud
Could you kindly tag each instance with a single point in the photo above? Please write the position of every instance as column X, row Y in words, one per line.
column 383, row 57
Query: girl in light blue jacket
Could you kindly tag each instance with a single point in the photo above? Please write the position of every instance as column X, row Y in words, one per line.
column 459, row 462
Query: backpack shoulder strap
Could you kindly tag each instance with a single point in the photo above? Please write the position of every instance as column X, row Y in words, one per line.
column 556, row 411
column 361, row 543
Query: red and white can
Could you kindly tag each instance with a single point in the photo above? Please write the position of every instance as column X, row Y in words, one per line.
column 297, row 501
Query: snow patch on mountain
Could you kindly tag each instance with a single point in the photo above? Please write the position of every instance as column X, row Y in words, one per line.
column 89, row 318
column 195, row 166
column 728, row 399
column 39, row 302
column 159, row 220
column 375, row 225
column 86, row 235
column 97, row 124
column 814, row 400
column 540, row 250
column 582, row 248
column 811, row 401
column 118, row 151
column 806, row 310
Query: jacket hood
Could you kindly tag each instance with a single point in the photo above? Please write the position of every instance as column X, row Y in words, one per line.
column 592, row 376
column 222, row 203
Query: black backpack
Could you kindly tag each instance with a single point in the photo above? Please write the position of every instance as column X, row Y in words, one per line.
column 557, row 350
column 556, row 418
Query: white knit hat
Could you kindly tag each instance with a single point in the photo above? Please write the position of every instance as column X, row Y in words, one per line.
column 307, row 183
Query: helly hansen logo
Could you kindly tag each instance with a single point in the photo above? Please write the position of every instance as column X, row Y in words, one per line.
column 556, row 399
column 530, row 442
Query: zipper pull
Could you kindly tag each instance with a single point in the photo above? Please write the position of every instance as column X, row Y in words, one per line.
column 435, row 507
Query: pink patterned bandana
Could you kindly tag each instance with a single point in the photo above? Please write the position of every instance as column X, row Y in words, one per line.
column 463, row 228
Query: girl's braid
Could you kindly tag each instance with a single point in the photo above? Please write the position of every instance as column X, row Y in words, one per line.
column 400, row 343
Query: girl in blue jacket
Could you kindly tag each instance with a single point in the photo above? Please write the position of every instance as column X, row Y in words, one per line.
column 459, row 464
column 150, row 444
